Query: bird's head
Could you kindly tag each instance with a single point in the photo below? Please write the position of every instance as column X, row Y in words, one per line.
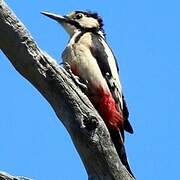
column 78, row 20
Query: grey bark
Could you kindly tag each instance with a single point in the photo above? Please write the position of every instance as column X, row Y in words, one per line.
column 6, row 176
column 86, row 128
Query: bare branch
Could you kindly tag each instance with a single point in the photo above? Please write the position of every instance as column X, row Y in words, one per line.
column 6, row 176
column 88, row 131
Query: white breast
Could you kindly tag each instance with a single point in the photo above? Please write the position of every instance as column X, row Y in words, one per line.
column 79, row 54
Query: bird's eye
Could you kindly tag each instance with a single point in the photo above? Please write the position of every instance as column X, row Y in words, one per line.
column 79, row 16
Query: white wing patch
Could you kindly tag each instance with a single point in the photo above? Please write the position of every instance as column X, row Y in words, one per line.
column 113, row 67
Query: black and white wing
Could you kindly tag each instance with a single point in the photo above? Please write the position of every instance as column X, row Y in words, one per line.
column 109, row 68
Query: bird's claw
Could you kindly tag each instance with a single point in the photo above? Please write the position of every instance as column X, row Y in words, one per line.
column 82, row 85
column 76, row 79
column 67, row 66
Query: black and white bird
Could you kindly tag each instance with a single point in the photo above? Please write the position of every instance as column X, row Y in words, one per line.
column 92, row 60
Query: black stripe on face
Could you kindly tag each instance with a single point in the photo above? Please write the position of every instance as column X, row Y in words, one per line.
column 83, row 29
column 78, row 26
column 72, row 22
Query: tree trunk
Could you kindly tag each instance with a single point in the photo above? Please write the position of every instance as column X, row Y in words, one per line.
column 86, row 128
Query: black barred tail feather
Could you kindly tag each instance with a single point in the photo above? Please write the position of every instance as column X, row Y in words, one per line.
column 120, row 148
column 128, row 127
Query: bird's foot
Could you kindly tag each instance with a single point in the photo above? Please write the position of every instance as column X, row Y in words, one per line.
column 79, row 82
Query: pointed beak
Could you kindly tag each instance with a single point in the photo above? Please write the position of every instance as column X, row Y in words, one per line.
column 67, row 23
column 58, row 18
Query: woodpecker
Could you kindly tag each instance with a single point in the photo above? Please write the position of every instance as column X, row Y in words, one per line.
column 92, row 60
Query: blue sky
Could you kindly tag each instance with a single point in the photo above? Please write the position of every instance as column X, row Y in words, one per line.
column 145, row 38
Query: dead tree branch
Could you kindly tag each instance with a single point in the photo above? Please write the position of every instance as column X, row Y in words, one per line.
column 86, row 128
column 6, row 176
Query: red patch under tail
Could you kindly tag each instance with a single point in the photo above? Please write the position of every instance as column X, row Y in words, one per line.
column 106, row 106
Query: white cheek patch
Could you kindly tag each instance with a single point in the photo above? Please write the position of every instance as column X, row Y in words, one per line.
column 88, row 22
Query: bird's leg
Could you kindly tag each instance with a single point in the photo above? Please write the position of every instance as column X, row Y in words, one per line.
column 79, row 82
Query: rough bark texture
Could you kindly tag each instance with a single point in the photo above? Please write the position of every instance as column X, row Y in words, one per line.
column 6, row 176
column 86, row 128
